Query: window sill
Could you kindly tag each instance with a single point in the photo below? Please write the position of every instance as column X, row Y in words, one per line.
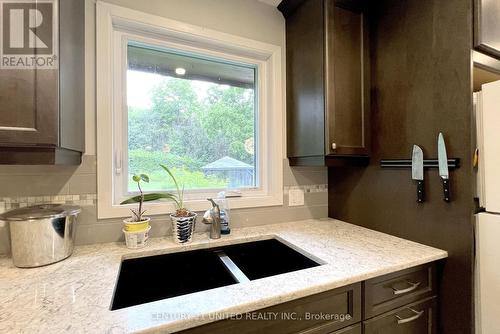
column 163, row 208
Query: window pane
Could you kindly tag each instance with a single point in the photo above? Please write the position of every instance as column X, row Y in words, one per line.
column 195, row 115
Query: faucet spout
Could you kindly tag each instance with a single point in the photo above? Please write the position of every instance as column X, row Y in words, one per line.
column 212, row 217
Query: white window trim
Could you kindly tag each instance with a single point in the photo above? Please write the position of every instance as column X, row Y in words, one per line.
column 122, row 39
column 114, row 23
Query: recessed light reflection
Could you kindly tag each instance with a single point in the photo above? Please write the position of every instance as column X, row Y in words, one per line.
column 180, row 71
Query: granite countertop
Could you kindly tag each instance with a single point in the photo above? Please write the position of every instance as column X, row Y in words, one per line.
column 75, row 295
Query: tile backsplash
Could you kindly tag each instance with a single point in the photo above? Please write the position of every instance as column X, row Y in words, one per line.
column 309, row 188
column 10, row 203
column 76, row 185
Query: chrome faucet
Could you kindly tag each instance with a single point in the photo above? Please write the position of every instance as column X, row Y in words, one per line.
column 212, row 217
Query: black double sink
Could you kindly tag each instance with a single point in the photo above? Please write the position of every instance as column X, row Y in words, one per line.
column 147, row 279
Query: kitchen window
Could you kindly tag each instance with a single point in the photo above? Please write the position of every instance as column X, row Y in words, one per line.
column 192, row 113
column 206, row 104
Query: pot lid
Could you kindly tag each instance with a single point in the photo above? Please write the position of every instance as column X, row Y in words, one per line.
column 41, row 211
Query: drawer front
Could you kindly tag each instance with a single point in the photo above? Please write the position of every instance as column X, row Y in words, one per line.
column 356, row 329
column 319, row 314
column 388, row 292
column 416, row 318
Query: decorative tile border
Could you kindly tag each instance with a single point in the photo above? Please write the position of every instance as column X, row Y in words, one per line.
column 9, row 203
column 310, row 188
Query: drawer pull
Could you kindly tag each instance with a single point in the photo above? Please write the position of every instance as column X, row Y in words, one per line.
column 412, row 287
column 417, row 315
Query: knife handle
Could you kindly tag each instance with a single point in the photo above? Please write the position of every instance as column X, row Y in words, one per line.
column 446, row 190
column 420, row 191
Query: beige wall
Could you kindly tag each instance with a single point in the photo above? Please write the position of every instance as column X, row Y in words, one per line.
column 24, row 185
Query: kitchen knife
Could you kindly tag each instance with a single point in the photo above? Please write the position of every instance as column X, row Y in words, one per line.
column 417, row 171
column 443, row 167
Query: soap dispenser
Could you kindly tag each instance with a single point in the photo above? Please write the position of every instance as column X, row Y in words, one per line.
column 225, row 216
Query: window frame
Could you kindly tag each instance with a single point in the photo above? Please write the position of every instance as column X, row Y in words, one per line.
column 115, row 26
column 121, row 137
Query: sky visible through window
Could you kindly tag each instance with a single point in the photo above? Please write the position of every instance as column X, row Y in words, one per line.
column 203, row 131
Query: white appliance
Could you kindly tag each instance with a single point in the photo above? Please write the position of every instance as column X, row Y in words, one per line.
column 487, row 229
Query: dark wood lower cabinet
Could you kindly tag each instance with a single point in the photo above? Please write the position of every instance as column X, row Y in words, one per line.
column 356, row 329
column 416, row 318
column 388, row 292
column 323, row 313
column 398, row 303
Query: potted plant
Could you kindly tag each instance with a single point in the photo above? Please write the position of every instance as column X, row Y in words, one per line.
column 183, row 220
column 136, row 228
column 137, row 222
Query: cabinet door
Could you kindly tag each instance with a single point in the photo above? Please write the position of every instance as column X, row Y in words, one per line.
column 323, row 313
column 347, row 80
column 305, row 80
column 487, row 26
column 391, row 291
column 416, row 318
column 356, row 329
column 29, row 107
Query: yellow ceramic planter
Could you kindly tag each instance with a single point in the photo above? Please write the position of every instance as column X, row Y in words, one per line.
column 136, row 226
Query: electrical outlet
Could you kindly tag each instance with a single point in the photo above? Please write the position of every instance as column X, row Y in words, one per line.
column 295, row 197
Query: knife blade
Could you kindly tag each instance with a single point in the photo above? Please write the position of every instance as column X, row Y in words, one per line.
column 443, row 167
column 417, row 171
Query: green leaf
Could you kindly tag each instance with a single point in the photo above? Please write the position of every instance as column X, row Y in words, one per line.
column 181, row 198
column 180, row 195
column 157, row 196
column 169, row 173
column 136, row 178
column 150, row 197
column 144, row 177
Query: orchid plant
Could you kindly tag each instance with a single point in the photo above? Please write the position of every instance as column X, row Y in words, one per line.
column 137, row 214
column 177, row 198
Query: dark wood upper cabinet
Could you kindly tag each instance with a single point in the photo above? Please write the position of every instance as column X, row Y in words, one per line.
column 328, row 83
column 28, row 99
column 42, row 110
column 487, row 26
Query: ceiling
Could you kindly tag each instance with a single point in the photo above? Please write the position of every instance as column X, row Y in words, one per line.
column 482, row 76
column 165, row 63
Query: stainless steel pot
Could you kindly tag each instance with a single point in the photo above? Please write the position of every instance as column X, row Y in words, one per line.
column 41, row 234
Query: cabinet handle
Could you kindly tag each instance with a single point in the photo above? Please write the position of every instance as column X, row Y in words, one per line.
column 413, row 286
column 417, row 315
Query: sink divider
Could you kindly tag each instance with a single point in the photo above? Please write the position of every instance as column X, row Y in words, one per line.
column 233, row 269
